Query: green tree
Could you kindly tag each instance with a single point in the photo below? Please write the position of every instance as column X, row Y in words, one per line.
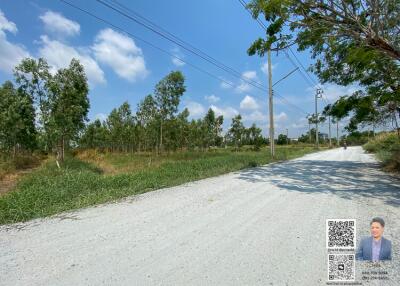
column 322, row 25
column 17, row 119
column 217, row 130
column 352, row 42
column 183, row 128
column 167, row 97
column 94, row 135
column 255, row 137
column 120, row 125
column 282, row 139
column 357, row 138
column 310, row 134
column 34, row 79
column 68, row 105
column 146, row 122
column 195, row 133
column 210, row 129
column 236, row 131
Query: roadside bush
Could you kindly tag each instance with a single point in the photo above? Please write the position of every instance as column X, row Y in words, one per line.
column 386, row 146
column 19, row 162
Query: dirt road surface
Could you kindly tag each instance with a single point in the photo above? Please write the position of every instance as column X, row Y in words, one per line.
column 258, row 226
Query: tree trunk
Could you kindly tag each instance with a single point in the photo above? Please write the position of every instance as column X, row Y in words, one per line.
column 397, row 125
column 14, row 151
column 63, row 149
column 161, row 137
column 58, row 157
column 60, row 150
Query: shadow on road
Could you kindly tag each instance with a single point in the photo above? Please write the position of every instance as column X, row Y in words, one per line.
column 347, row 179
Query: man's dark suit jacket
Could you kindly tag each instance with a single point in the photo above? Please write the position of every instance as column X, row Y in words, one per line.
column 364, row 251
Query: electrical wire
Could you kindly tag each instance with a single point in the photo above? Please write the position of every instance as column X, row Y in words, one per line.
column 207, row 58
column 282, row 99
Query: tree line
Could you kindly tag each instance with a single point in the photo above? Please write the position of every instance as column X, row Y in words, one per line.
column 47, row 111
column 157, row 125
column 145, row 130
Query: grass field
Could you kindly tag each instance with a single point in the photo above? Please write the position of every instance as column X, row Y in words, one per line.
column 90, row 178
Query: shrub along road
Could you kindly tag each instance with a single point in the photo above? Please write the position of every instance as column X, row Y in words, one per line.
column 257, row 226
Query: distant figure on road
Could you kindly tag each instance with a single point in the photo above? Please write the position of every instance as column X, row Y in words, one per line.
column 344, row 144
column 375, row 247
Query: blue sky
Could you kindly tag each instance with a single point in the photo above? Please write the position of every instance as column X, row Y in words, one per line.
column 122, row 68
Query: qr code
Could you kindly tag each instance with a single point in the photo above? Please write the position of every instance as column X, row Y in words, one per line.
column 341, row 267
column 340, row 233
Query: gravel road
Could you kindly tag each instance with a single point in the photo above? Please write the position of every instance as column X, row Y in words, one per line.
column 258, row 226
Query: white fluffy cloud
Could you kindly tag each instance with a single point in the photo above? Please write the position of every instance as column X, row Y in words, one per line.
column 176, row 60
column 195, row 109
column 302, row 122
column 244, row 86
column 225, row 84
column 57, row 24
column 6, row 25
column 121, row 54
column 258, row 116
column 59, row 55
column 227, row 112
column 280, row 117
column 211, row 98
column 11, row 54
column 255, row 116
column 250, row 75
column 248, row 102
column 264, row 67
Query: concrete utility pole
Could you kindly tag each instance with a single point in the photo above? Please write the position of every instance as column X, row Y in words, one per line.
column 287, row 136
column 318, row 94
column 330, row 139
column 271, row 109
column 373, row 129
column 337, row 132
column 309, row 127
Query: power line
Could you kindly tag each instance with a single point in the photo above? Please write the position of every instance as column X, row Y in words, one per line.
column 301, row 73
column 146, row 42
column 291, row 104
column 302, row 66
column 100, row 19
column 184, row 42
column 310, row 79
column 258, row 20
column 314, row 83
column 286, row 76
column 262, row 25
column 156, row 47
column 193, row 49
column 205, row 57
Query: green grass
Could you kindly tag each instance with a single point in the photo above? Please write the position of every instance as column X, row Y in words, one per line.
column 49, row 190
column 386, row 146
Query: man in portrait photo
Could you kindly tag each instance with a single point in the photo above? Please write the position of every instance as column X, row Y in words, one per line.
column 375, row 247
